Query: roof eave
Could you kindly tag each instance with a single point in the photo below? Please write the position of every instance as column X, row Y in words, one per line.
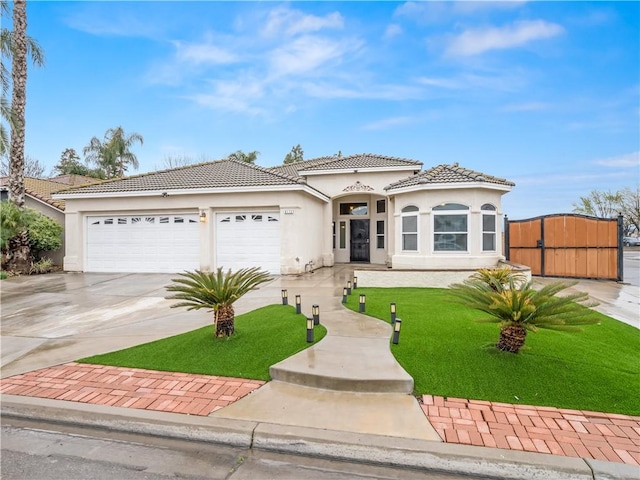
column 449, row 186
column 193, row 191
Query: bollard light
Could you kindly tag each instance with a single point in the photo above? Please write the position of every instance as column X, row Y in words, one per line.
column 349, row 287
column 285, row 297
column 363, row 299
column 344, row 295
column 393, row 312
column 298, row 304
column 309, row 330
column 396, row 331
column 355, row 282
column 315, row 310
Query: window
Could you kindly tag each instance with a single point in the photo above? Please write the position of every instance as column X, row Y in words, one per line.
column 122, row 221
column 353, row 209
column 164, row 219
column 343, row 234
column 333, row 233
column 381, row 206
column 488, row 227
column 380, row 234
column 450, row 227
column 409, row 218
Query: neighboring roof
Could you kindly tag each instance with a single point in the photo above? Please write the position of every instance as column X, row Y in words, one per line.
column 350, row 162
column 227, row 173
column 447, row 174
column 73, row 179
column 41, row 189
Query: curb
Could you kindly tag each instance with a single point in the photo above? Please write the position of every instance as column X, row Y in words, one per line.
column 330, row 444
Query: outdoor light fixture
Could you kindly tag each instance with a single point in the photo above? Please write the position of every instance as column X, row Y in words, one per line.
column 298, row 304
column 355, row 282
column 315, row 310
column 349, row 287
column 309, row 330
column 203, row 216
column 396, row 331
column 363, row 299
column 393, row 312
column 285, row 297
column 344, row 295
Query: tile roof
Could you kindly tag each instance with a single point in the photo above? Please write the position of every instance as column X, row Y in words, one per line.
column 218, row 174
column 73, row 179
column 448, row 174
column 40, row 188
column 350, row 162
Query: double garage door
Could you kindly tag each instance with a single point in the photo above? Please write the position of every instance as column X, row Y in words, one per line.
column 171, row 243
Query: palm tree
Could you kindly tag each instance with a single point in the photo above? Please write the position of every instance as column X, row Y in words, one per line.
column 521, row 308
column 239, row 155
column 216, row 291
column 113, row 155
column 16, row 45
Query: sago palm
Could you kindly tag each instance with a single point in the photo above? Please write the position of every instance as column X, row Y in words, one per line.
column 521, row 308
column 216, row 291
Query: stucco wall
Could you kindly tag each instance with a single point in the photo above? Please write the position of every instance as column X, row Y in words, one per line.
column 425, row 257
column 304, row 235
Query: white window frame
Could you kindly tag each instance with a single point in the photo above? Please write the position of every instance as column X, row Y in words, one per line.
column 489, row 210
column 447, row 209
column 410, row 211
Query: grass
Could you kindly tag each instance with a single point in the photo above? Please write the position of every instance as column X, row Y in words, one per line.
column 448, row 353
column 263, row 337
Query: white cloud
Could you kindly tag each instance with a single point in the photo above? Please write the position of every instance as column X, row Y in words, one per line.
column 307, row 53
column 620, row 161
column 238, row 96
column 293, row 22
column 203, row 53
column 441, row 11
column 477, row 41
column 392, row 31
column 389, row 123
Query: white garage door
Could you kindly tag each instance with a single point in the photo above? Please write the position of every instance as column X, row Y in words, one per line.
column 248, row 239
column 143, row 243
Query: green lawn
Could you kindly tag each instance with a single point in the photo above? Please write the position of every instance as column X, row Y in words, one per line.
column 449, row 354
column 263, row 337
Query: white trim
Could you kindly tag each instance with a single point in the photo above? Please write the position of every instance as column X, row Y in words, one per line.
column 341, row 171
column 194, row 191
column 447, row 186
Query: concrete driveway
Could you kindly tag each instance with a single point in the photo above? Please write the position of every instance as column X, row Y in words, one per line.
column 56, row 318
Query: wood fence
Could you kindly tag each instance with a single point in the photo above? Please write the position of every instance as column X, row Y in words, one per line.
column 567, row 245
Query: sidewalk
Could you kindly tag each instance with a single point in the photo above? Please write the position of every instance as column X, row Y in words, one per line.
column 328, row 400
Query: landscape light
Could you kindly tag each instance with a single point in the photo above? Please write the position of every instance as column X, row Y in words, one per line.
column 315, row 310
column 309, row 330
column 298, row 304
column 393, row 312
column 285, row 297
column 363, row 299
column 396, row 331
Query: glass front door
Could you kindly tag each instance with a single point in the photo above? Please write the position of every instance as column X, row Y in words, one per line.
column 359, row 240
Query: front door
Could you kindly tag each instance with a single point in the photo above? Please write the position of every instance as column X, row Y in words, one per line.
column 359, row 240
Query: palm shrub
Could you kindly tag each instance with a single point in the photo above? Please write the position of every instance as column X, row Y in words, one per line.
column 498, row 278
column 521, row 308
column 216, row 291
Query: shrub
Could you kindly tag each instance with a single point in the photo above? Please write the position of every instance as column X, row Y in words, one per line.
column 44, row 265
column 44, row 233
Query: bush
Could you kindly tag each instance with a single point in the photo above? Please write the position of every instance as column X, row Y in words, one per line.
column 44, row 265
column 44, row 233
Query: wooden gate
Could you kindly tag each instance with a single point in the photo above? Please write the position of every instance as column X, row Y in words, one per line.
column 567, row 245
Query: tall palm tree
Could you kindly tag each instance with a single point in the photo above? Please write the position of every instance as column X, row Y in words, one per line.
column 239, row 155
column 16, row 45
column 113, row 154
column 216, row 291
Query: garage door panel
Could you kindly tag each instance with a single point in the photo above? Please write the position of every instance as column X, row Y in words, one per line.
column 143, row 243
column 248, row 239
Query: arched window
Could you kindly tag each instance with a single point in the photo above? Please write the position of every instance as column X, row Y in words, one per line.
column 409, row 217
column 450, row 227
column 489, row 227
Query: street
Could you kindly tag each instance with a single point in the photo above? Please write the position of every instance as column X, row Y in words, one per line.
column 32, row 450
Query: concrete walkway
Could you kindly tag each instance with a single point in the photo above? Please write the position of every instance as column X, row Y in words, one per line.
column 349, row 383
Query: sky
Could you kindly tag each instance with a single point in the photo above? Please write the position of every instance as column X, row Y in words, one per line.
column 545, row 94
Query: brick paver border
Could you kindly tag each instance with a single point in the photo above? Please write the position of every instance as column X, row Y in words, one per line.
column 131, row 388
column 572, row 433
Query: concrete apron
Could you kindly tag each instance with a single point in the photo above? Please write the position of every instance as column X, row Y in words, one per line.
column 347, row 382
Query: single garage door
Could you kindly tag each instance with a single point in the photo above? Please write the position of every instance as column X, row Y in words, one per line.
column 143, row 243
column 248, row 239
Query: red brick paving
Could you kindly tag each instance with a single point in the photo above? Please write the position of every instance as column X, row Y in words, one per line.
column 571, row 433
column 131, row 388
